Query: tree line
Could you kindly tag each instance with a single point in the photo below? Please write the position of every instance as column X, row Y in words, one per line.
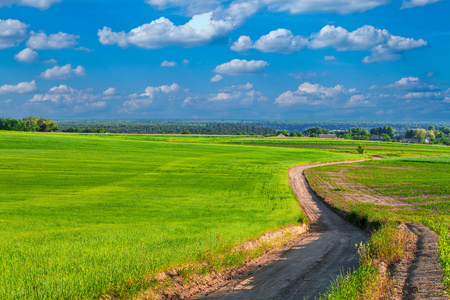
column 164, row 128
column 29, row 124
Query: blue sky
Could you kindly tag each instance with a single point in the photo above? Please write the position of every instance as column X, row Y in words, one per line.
column 244, row 59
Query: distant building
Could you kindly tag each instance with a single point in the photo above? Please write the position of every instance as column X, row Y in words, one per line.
column 427, row 140
column 328, row 136
column 281, row 135
column 377, row 138
column 410, row 140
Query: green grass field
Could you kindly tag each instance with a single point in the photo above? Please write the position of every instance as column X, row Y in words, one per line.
column 384, row 149
column 86, row 215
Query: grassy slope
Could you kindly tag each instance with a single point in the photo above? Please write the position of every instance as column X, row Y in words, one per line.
column 421, row 183
column 81, row 215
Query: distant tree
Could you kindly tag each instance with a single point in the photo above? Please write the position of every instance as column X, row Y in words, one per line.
column 316, row 131
column 292, row 134
column 378, row 131
column 431, row 128
column 360, row 149
column 239, row 133
column 409, row 133
column 283, row 132
column 445, row 130
column 186, row 132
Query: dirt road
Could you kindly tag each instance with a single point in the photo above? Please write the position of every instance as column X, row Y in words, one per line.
column 306, row 270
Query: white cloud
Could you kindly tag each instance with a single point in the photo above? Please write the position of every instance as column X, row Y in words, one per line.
column 329, row 6
column 359, row 100
column 291, row 6
column 192, row 7
column 383, row 45
column 168, row 64
column 243, row 94
column 308, row 75
column 27, row 55
column 422, row 95
column 414, row 3
column 410, row 83
column 59, row 40
column 21, row 88
column 241, row 67
column 201, row 30
column 68, row 99
column 63, row 72
column 216, row 78
column 162, row 93
column 278, row 41
column 313, row 94
column 329, row 58
column 83, row 49
column 50, row 61
column 110, row 92
column 12, row 32
column 185, row 62
column 41, row 4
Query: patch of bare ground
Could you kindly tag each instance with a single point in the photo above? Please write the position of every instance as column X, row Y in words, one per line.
column 418, row 275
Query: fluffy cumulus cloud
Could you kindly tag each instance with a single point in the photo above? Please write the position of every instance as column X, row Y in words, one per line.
column 216, row 78
column 41, row 4
column 279, row 41
column 314, row 94
column 65, row 99
column 153, row 94
column 59, row 40
column 383, row 45
column 168, row 64
column 202, row 29
column 27, row 55
column 110, row 92
column 65, row 94
column 243, row 94
column 20, row 88
column 359, row 100
column 241, row 67
column 62, row 72
column 414, row 3
column 12, row 32
column 410, row 83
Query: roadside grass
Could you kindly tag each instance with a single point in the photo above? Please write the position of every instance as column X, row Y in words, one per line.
column 84, row 216
column 420, row 191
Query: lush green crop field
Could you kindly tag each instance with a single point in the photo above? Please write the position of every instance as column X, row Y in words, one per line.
column 85, row 215
column 419, row 186
column 331, row 145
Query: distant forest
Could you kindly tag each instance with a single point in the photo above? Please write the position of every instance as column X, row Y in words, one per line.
column 204, row 126
column 152, row 127
column 351, row 129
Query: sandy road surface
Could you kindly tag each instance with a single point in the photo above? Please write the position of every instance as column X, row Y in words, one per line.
column 306, row 270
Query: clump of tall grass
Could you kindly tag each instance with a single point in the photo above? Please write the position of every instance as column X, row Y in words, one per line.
column 371, row 280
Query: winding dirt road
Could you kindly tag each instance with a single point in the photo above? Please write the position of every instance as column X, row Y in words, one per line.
column 305, row 270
